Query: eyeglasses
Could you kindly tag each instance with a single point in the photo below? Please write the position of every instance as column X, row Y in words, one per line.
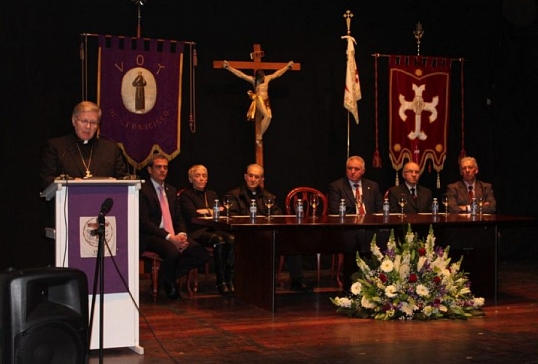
column 91, row 123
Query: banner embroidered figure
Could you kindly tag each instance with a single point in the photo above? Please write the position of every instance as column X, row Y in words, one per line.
column 139, row 91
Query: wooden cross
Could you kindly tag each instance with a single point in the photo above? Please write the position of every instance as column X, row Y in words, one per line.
column 256, row 63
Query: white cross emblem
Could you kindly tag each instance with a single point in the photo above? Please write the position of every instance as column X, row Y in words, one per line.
column 418, row 106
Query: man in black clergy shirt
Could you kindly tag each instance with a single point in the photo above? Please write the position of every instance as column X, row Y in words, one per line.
column 82, row 154
column 251, row 189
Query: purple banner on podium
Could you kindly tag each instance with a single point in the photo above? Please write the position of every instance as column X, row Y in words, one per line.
column 83, row 208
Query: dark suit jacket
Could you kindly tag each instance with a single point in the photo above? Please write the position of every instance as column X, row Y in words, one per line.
column 191, row 200
column 61, row 156
column 459, row 196
column 371, row 196
column 150, row 213
column 423, row 202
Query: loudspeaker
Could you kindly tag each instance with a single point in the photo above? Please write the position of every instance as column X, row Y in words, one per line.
column 44, row 316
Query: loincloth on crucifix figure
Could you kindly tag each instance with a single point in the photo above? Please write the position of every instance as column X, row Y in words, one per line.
column 260, row 96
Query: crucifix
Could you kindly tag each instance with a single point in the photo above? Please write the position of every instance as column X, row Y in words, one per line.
column 260, row 110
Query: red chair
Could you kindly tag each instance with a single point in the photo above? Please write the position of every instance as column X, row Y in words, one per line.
column 304, row 194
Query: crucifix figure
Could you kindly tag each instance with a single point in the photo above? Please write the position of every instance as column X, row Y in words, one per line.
column 260, row 109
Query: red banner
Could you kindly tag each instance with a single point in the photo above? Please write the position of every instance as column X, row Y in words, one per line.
column 139, row 92
column 418, row 110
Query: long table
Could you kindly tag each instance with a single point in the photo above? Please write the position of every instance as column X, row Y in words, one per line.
column 259, row 242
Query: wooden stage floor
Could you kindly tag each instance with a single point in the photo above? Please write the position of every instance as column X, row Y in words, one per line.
column 213, row 329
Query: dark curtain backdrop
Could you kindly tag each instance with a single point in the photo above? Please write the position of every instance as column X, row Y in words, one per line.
column 306, row 142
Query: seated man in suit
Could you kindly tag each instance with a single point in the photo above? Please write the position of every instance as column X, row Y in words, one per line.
column 197, row 201
column 419, row 198
column 162, row 229
column 358, row 193
column 354, row 188
column 461, row 193
column 251, row 189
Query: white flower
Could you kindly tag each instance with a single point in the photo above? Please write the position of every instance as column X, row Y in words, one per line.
column 443, row 308
column 343, row 302
column 356, row 288
column 375, row 250
column 409, row 237
column 391, row 291
column 407, row 308
column 366, row 303
column 427, row 311
column 438, row 265
column 363, row 266
column 404, row 271
column 455, row 268
column 422, row 290
column 420, row 263
column 478, row 302
column 397, row 262
column 464, row 291
column 387, row 266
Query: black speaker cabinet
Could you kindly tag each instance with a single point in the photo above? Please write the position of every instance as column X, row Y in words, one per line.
column 44, row 316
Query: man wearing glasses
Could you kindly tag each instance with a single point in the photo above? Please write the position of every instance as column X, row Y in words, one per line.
column 418, row 198
column 81, row 154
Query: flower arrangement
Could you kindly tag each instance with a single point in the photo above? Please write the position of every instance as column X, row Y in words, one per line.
column 411, row 280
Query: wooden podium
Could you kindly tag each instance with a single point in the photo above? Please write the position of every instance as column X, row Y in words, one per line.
column 77, row 205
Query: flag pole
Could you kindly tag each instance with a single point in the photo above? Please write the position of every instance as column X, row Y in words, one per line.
column 348, row 132
column 348, row 15
column 352, row 89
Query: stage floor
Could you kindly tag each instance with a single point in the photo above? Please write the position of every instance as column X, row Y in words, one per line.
column 211, row 329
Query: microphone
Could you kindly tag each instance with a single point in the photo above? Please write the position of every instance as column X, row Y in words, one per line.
column 106, row 206
column 64, row 175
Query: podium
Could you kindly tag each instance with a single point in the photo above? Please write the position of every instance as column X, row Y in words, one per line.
column 77, row 205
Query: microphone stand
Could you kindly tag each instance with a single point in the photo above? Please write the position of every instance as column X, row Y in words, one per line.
column 99, row 273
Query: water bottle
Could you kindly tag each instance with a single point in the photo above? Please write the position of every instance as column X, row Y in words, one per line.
column 342, row 208
column 253, row 209
column 435, row 207
column 299, row 209
column 216, row 210
column 474, row 207
column 386, row 207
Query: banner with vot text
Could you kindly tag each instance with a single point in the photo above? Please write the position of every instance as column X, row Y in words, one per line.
column 139, row 92
column 418, row 110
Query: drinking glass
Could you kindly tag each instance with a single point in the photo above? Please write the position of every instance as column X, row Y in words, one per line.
column 480, row 204
column 269, row 201
column 314, row 202
column 445, row 202
column 227, row 202
column 402, row 201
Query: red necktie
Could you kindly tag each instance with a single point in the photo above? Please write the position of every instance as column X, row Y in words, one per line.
column 165, row 210
column 471, row 193
column 358, row 197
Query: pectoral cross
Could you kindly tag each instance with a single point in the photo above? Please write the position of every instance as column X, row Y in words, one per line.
column 257, row 64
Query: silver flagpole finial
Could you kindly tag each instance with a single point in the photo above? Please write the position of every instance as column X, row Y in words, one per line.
column 418, row 32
